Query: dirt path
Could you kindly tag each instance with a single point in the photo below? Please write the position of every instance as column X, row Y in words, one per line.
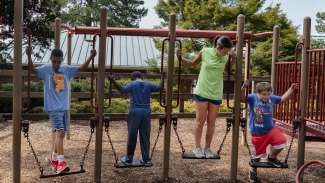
column 180, row 170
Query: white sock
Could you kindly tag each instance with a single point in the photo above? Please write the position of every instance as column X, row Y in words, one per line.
column 60, row 158
column 54, row 156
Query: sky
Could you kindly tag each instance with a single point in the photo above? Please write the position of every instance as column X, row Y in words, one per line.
column 296, row 10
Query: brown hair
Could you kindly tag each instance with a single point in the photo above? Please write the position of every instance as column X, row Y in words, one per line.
column 263, row 86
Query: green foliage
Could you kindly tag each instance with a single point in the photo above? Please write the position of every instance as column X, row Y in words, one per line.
column 38, row 15
column 82, row 85
column 81, row 107
column 320, row 20
column 317, row 43
column 126, row 13
column 222, row 15
column 118, row 105
column 155, row 106
column 6, row 86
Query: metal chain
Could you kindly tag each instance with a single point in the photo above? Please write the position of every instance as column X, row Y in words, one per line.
column 41, row 169
column 294, row 130
column 224, row 138
column 82, row 162
column 111, row 143
column 156, row 141
column 243, row 123
column 178, row 138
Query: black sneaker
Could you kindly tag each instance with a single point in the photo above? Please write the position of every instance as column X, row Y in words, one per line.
column 126, row 161
column 146, row 163
column 275, row 162
column 253, row 176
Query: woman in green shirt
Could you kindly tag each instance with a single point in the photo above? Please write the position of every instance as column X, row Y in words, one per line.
column 208, row 92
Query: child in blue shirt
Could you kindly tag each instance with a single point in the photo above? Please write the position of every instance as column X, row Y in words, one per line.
column 56, row 79
column 263, row 129
column 139, row 119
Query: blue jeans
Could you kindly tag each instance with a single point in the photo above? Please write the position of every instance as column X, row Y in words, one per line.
column 58, row 120
column 139, row 120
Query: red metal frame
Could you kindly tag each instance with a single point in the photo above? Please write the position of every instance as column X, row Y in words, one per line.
column 305, row 166
column 284, row 113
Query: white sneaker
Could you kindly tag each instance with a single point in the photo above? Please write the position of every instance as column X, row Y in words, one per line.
column 208, row 153
column 198, row 152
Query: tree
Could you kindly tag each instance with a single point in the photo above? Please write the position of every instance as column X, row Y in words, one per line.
column 320, row 20
column 37, row 17
column 222, row 15
column 126, row 13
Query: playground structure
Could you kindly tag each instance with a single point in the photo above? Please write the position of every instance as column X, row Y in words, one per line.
column 304, row 114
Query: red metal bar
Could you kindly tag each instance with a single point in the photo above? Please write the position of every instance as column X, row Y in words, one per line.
column 318, row 101
column 312, row 107
column 111, row 71
column 323, row 89
column 92, row 96
column 162, row 75
column 315, row 50
column 286, row 62
column 305, row 166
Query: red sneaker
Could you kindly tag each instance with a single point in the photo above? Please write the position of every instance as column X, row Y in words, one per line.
column 53, row 163
column 62, row 167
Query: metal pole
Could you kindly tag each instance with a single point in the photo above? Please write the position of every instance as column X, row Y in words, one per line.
column 69, row 41
column 238, row 81
column 303, row 92
column 169, row 92
column 275, row 53
column 246, row 76
column 17, row 93
column 57, row 34
column 100, row 93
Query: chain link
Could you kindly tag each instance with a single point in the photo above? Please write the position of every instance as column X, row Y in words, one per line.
column 225, row 136
column 82, row 162
column 111, row 143
column 41, row 169
column 178, row 137
column 156, row 141
column 294, row 131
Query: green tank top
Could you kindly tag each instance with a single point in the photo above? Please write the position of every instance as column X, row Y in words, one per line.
column 210, row 82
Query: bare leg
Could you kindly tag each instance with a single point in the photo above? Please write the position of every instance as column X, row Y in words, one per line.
column 275, row 152
column 59, row 142
column 201, row 115
column 53, row 140
column 213, row 111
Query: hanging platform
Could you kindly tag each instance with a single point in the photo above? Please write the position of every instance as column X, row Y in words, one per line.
column 192, row 156
column 135, row 164
column 266, row 165
column 62, row 174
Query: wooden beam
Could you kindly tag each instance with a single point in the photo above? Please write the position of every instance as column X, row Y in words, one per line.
column 100, row 94
column 303, row 92
column 17, row 78
column 237, row 102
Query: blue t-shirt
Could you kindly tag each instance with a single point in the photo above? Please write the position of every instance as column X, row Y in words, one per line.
column 260, row 114
column 140, row 92
column 56, row 86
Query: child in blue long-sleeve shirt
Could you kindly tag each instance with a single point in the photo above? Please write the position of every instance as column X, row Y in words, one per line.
column 139, row 116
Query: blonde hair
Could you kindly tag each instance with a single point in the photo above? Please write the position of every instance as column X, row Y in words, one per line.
column 263, row 86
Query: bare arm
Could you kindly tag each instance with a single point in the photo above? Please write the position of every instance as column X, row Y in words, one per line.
column 84, row 66
column 187, row 62
column 294, row 87
column 243, row 94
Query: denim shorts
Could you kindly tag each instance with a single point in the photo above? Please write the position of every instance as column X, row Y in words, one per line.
column 58, row 120
column 198, row 98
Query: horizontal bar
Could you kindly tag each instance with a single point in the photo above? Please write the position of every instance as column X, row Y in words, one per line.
column 164, row 32
column 286, row 62
column 316, row 122
column 316, row 50
column 87, row 116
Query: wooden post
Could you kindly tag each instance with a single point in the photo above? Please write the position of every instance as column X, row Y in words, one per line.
column 237, row 98
column 69, row 56
column 275, row 53
column 100, row 94
column 17, row 90
column 169, row 92
column 303, row 92
column 57, row 34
